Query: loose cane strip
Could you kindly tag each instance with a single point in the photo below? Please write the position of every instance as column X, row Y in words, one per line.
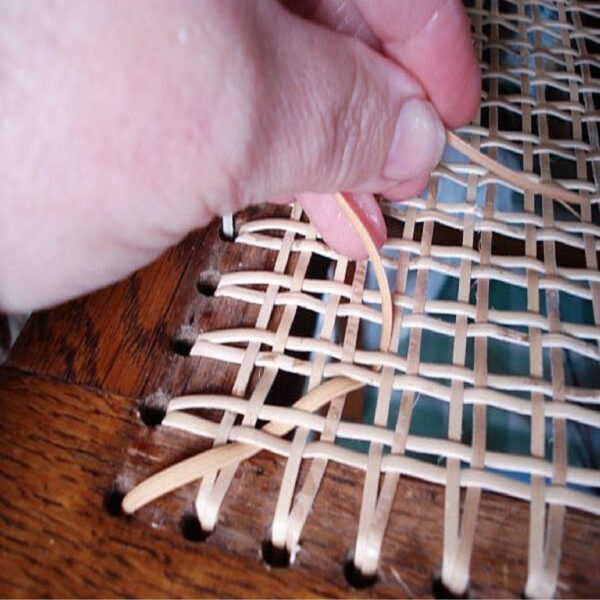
column 521, row 180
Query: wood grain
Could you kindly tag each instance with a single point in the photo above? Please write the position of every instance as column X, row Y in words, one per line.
column 62, row 446
column 59, row 449
column 71, row 431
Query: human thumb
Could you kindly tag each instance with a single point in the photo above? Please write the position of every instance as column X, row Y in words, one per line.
column 339, row 116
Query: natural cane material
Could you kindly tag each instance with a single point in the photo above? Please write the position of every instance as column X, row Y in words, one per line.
column 219, row 457
column 496, row 322
column 520, row 180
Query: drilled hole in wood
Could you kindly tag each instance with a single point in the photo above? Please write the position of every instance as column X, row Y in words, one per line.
column 439, row 589
column 181, row 346
column 228, row 236
column 275, row 556
column 152, row 412
column 356, row 578
column 207, row 282
column 191, row 528
column 113, row 497
column 206, row 288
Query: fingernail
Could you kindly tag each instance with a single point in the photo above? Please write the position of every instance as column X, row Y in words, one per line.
column 418, row 142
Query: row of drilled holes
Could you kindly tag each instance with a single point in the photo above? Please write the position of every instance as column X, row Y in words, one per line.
column 206, row 287
column 152, row 413
column 274, row 557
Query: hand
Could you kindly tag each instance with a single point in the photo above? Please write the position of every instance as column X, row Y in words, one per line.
column 123, row 126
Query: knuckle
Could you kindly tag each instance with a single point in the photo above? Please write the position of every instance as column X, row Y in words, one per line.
column 357, row 129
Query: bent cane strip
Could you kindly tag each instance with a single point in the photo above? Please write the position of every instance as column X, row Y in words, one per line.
column 382, row 282
column 520, row 180
column 218, row 457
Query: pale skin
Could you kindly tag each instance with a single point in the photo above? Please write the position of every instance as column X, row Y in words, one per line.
column 125, row 125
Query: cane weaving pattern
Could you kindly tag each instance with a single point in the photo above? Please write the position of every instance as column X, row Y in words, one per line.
column 496, row 297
